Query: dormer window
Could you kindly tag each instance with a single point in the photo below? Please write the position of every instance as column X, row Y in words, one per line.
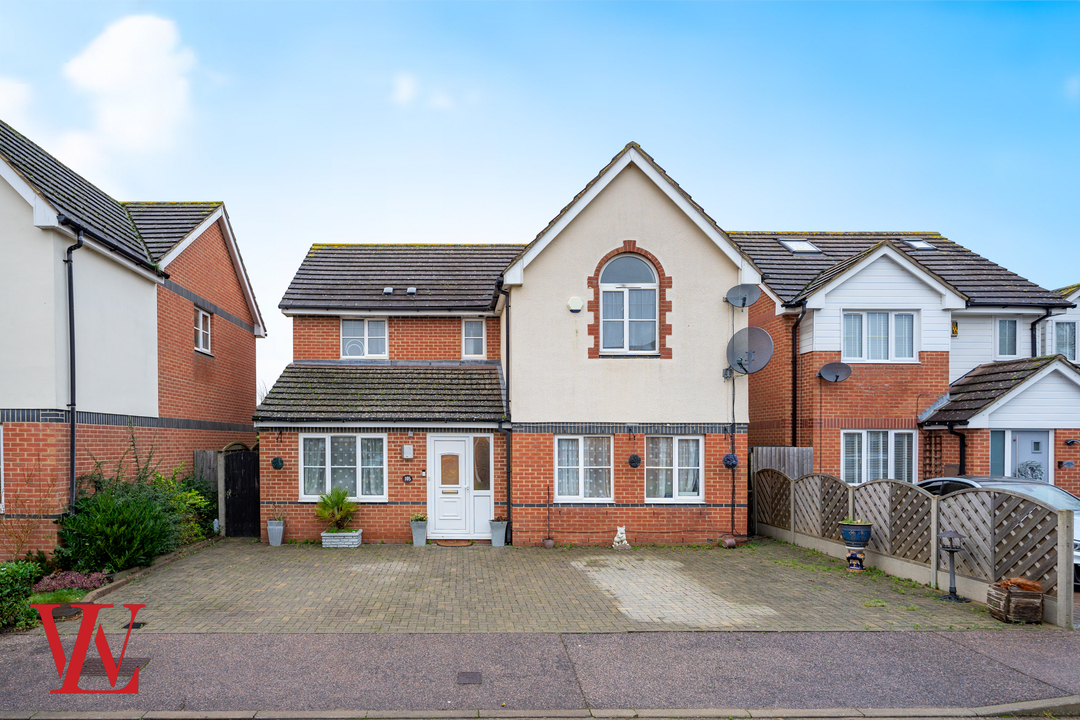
column 800, row 246
column 628, row 307
column 919, row 244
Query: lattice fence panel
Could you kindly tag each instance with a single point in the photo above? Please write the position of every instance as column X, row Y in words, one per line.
column 772, row 493
column 872, row 503
column 909, row 522
column 1025, row 540
column 834, row 505
column 968, row 512
column 808, row 505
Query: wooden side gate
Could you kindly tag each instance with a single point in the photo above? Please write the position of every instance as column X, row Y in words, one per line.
column 242, row 494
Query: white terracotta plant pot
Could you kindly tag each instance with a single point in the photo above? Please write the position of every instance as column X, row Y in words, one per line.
column 349, row 539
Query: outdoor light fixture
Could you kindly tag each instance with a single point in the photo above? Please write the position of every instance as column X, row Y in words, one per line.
column 277, row 463
column 952, row 548
column 1072, row 442
column 635, row 461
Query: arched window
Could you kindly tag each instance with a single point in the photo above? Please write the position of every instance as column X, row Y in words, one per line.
column 628, row 311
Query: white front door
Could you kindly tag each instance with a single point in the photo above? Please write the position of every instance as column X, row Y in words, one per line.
column 460, row 495
column 1031, row 455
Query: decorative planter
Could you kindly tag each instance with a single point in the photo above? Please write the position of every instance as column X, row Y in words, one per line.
column 275, row 529
column 1008, row 604
column 548, row 543
column 856, row 538
column 419, row 532
column 348, row 539
column 498, row 534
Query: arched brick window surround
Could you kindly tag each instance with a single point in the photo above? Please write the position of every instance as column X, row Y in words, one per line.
column 593, row 306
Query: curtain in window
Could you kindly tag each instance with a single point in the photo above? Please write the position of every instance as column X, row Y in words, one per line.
column 612, row 312
column 904, row 457
column 1065, row 339
column 852, row 460
column 343, row 463
column 689, row 466
column 568, row 466
column 877, row 455
column 373, row 476
column 314, row 466
column 904, row 325
column 597, row 458
column 877, row 335
column 1006, row 337
column 853, row 335
column 658, row 461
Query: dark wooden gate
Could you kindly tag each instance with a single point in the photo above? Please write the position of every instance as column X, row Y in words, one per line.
column 242, row 494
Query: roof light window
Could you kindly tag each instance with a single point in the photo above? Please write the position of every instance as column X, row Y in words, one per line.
column 800, row 246
column 919, row 244
column 388, row 291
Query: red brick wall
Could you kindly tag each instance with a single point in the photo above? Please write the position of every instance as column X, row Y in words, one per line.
column 664, row 305
column 534, row 483
column 1067, row 478
column 411, row 338
column 770, row 389
column 191, row 384
column 381, row 522
column 36, row 462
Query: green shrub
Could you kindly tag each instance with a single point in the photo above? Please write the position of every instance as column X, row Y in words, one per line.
column 16, row 579
column 335, row 509
column 116, row 529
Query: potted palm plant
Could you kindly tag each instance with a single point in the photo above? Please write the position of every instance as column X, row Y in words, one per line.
column 419, row 529
column 275, row 529
column 336, row 510
column 498, row 531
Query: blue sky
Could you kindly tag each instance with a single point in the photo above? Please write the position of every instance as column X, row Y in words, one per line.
column 460, row 122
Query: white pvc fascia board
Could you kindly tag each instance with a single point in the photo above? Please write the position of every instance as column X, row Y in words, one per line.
column 982, row 420
column 1007, row 310
column 423, row 312
column 16, row 181
column 191, row 237
column 777, row 302
column 346, row 425
column 950, row 299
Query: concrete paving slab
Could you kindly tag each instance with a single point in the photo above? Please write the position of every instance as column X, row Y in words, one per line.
column 81, row 715
column 15, row 714
column 1069, row 705
column 505, row 713
column 694, row 713
column 918, row 712
column 614, row 713
column 421, row 714
column 311, row 715
column 805, row 713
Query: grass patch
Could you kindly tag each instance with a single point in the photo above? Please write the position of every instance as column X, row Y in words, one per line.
column 57, row 596
column 911, row 607
column 874, row 602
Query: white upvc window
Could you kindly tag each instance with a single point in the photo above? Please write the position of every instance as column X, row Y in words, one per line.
column 202, row 330
column 879, row 336
column 674, row 469
column 876, row 454
column 583, row 469
column 472, row 339
column 354, row 462
column 1005, row 337
column 629, row 295
column 1065, row 338
column 363, row 338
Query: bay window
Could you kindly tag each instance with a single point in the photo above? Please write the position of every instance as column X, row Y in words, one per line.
column 878, row 336
column 354, row 462
column 876, row 454
column 583, row 469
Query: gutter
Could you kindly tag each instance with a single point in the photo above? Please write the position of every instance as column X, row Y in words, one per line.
column 1048, row 311
column 795, row 375
column 118, row 249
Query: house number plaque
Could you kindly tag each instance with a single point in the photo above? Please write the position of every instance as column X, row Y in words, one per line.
column 406, row 478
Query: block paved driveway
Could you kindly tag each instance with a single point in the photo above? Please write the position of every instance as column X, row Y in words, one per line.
column 241, row 586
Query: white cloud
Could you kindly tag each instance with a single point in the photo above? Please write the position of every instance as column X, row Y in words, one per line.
column 14, row 102
column 1072, row 88
column 405, row 88
column 136, row 77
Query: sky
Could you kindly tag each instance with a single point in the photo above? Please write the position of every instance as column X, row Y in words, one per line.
column 477, row 122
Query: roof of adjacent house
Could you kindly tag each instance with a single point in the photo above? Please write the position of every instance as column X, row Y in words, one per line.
column 394, row 391
column 1067, row 290
column 69, row 193
column 162, row 225
column 353, row 277
column 984, row 385
column 794, row 276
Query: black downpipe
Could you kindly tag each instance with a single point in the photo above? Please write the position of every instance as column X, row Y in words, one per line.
column 1034, row 332
column 795, row 376
column 71, row 353
column 963, row 447
column 508, row 432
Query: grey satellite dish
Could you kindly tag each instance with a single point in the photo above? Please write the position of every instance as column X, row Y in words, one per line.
column 749, row 350
column 835, row 372
column 743, row 295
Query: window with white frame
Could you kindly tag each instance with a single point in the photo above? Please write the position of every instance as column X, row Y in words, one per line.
column 673, row 469
column 876, row 454
column 583, row 469
column 628, row 307
column 363, row 338
column 878, row 336
column 1005, row 330
column 202, row 330
column 1065, row 338
column 472, row 338
column 354, row 462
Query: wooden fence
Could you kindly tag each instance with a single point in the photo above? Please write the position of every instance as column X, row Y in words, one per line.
column 1006, row 534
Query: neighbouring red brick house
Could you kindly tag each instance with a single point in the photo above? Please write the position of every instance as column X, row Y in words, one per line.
column 165, row 327
column 574, row 384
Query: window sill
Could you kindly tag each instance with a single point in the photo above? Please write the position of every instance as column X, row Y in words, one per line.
column 584, row 501
column 857, row 361
column 312, row 500
column 673, row 501
column 204, row 353
column 630, row 355
column 364, row 357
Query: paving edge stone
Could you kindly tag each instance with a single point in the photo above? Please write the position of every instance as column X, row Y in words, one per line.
column 616, row 713
column 311, row 714
column 805, row 713
column 918, row 712
column 16, row 714
column 694, row 713
column 88, row 714
column 1060, row 706
column 516, row 713
column 423, row 714
column 198, row 715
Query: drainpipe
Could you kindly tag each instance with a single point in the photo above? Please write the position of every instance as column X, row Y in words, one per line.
column 1033, row 330
column 795, row 375
column 963, row 447
column 507, row 432
column 71, row 347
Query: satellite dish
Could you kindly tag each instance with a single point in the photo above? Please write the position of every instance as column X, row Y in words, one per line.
column 749, row 350
column 743, row 295
column 835, row 372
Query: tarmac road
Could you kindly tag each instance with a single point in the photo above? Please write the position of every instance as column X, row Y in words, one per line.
column 562, row 671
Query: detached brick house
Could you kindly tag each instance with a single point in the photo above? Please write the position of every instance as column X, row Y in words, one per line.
column 165, row 323
column 574, row 384
column 944, row 349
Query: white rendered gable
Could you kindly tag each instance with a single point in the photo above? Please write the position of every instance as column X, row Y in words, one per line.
column 1049, row 400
